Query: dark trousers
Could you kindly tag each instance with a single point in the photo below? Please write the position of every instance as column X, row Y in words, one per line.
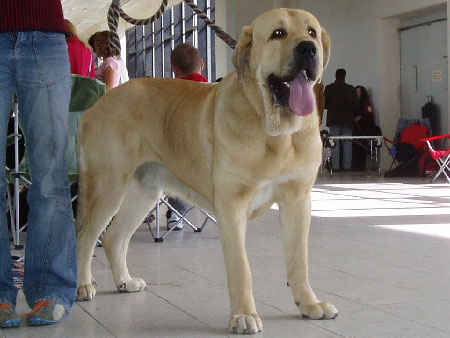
column 179, row 205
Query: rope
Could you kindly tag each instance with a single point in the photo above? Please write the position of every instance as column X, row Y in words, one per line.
column 113, row 22
column 211, row 23
column 115, row 12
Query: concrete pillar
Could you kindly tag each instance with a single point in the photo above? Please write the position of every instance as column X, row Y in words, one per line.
column 389, row 79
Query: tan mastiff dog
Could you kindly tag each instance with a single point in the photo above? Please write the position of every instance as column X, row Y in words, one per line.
column 241, row 145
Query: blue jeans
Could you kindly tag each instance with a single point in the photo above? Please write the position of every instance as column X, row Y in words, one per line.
column 341, row 130
column 36, row 66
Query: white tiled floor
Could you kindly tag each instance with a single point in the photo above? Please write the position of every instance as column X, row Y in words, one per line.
column 379, row 251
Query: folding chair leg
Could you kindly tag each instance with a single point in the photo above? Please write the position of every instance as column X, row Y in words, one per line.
column 202, row 226
column 182, row 217
column 208, row 217
column 377, row 160
column 17, row 244
column 157, row 236
column 443, row 168
column 393, row 163
column 12, row 215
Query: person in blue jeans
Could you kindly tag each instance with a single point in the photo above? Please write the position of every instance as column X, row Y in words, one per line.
column 35, row 65
column 341, row 103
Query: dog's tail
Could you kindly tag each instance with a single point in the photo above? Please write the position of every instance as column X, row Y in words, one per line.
column 80, row 221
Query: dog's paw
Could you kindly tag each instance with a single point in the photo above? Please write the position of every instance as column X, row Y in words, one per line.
column 86, row 292
column 133, row 285
column 245, row 324
column 321, row 310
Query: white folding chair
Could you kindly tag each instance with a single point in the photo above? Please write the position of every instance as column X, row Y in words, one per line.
column 156, row 211
column 18, row 178
column 442, row 157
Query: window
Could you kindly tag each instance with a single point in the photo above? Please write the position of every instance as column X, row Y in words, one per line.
column 149, row 47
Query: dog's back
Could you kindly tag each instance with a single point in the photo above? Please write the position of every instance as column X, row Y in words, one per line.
column 151, row 120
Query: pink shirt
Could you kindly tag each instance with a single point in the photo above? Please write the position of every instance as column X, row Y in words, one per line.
column 114, row 64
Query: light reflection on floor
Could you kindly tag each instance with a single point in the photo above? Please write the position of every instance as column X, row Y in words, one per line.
column 388, row 205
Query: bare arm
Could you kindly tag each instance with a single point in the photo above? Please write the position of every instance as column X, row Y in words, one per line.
column 110, row 74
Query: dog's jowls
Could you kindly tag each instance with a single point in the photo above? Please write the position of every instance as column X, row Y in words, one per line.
column 241, row 145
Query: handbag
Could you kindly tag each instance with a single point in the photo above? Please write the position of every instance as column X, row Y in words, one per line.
column 85, row 92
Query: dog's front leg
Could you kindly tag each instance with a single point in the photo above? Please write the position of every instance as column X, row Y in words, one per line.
column 295, row 216
column 232, row 222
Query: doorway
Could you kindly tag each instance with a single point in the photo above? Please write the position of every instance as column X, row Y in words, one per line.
column 424, row 67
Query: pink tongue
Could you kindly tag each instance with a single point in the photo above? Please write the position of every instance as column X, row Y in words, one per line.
column 301, row 98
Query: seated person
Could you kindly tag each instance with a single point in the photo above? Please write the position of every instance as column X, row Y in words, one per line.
column 187, row 64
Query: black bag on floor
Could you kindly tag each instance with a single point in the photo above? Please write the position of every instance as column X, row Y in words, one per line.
column 405, row 152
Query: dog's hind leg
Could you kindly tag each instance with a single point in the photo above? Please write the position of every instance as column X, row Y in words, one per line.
column 136, row 204
column 97, row 205
column 295, row 216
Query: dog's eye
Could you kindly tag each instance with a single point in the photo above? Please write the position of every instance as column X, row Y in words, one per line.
column 278, row 34
column 312, row 32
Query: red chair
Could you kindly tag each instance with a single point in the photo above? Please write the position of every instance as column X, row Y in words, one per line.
column 407, row 146
column 442, row 157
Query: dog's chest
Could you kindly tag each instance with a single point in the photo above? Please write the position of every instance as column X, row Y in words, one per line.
column 275, row 166
column 295, row 165
column 268, row 191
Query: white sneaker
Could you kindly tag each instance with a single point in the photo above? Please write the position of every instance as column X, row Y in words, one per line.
column 172, row 221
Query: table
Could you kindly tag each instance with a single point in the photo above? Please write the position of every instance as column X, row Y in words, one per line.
column 371, row 149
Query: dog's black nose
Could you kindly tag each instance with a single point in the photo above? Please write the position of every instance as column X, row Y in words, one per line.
column 307, row 49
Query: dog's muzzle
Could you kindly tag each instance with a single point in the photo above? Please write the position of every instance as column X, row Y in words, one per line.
column 295, row 90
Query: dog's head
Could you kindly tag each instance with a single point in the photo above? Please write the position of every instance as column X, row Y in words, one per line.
column 279, row 58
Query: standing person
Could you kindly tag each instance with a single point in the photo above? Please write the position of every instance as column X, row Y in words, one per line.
column 187, row 64
column 364, row 125
column 35, row 65
column 80, row 57
column 365, row 115
column 320, row 99
column 363, row 110
column 91, row 41
column 109, row 71
column 341, row 103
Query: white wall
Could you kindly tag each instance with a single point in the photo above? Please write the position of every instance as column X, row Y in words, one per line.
column 424, row 51
column 388, row 87
column 232, row 16
column 365, row 42
column 223, row 52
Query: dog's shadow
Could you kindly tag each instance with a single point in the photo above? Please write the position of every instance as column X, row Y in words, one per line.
column 108, row 293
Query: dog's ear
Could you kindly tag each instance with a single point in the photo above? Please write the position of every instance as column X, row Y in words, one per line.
column 242, row 50
column 326, row 46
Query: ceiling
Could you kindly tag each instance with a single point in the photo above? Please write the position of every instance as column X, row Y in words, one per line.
column 89, row 16
column 422, row 12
